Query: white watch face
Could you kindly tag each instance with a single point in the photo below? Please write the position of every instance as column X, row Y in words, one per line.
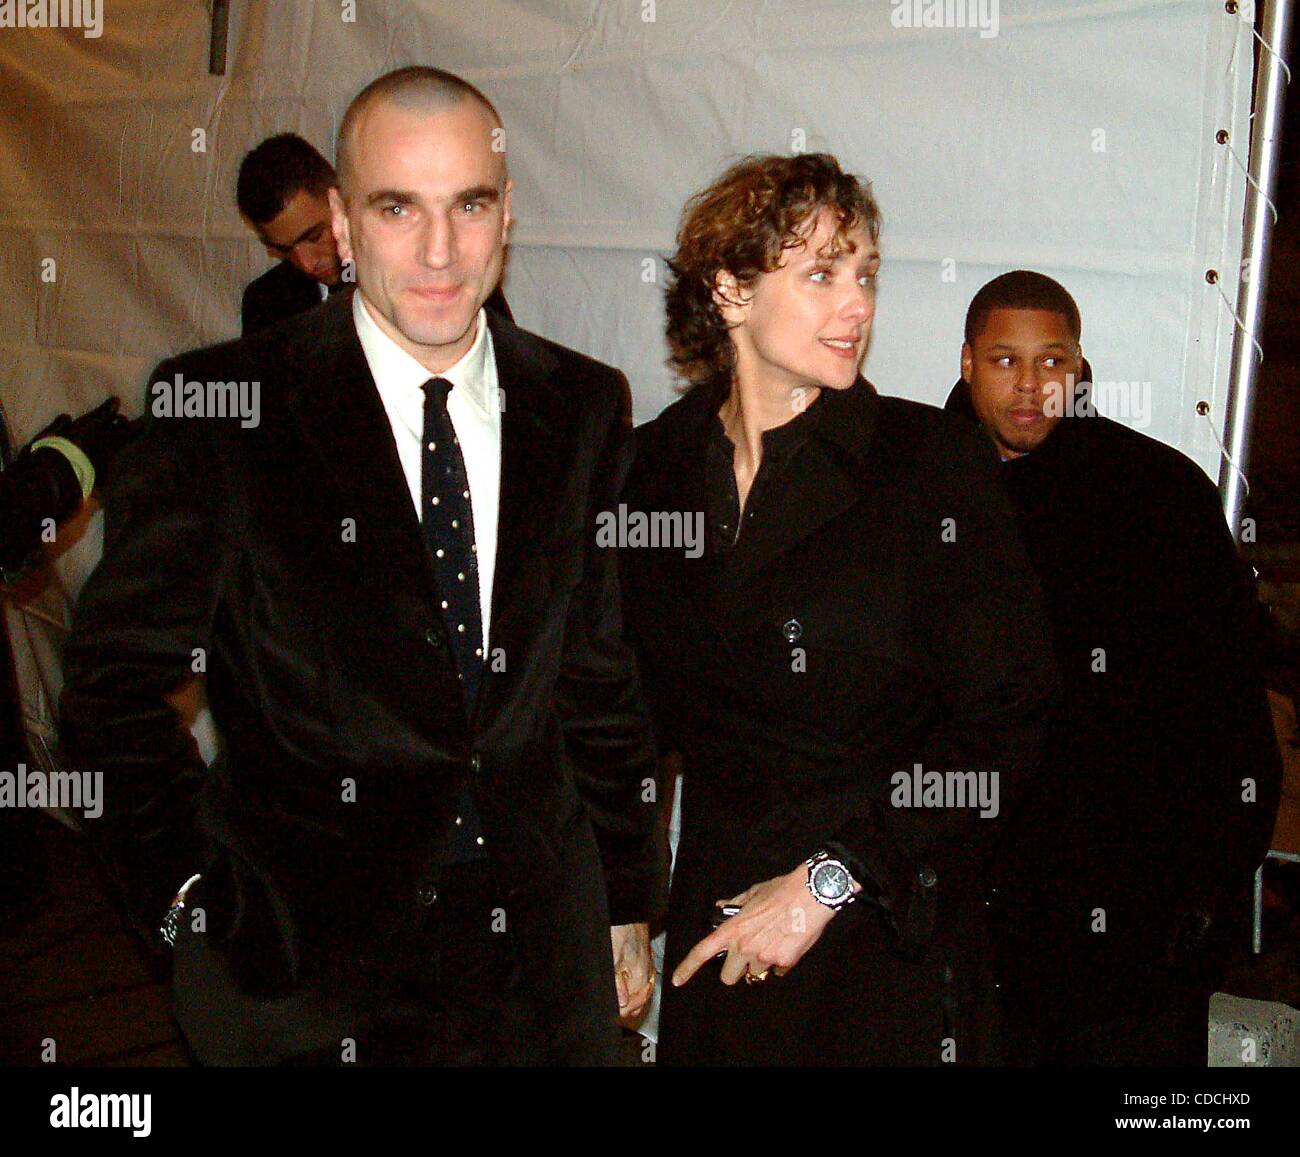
column 831, row 881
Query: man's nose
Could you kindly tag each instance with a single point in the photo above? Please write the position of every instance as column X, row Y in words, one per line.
column 313, row 253
column 1029, row 381
column 438, row 247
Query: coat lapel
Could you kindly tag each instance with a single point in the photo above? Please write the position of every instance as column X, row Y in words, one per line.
column 340, row 414
column 817, row 488
column 533, row 452
column 826, row 478
column 679, row 483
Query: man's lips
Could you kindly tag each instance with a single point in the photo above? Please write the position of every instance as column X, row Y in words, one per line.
column 1025, row 417
column 435, row 293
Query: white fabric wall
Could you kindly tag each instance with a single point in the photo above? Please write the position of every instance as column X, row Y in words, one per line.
column 982, row 150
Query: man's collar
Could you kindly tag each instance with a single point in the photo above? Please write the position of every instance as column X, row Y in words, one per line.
column 395, row 365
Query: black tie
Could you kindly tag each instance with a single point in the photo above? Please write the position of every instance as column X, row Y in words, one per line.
column 448, row 521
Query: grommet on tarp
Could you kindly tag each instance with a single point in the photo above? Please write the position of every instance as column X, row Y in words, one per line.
column 1203, row 409
column 1212, row 276
column 1232, row 8
column 1223, row 138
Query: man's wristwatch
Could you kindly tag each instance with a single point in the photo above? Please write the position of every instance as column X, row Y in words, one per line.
column 829, row 881
column 173, row 918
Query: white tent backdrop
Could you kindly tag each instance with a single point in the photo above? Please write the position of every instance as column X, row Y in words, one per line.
column 1079, row 140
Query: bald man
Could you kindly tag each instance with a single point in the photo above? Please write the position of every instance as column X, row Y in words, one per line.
column 431, row 835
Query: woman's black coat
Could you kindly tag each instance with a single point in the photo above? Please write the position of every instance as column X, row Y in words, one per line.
column 884, row 617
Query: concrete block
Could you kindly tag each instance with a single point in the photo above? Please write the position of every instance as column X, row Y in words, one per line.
column 1247, row 1034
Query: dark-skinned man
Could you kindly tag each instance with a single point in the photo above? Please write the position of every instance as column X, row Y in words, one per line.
column 1127, row 868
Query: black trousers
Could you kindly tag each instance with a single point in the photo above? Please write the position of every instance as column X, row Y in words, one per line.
column 450, row 995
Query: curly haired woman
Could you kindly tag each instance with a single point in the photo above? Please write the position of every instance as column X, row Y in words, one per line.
column 854, row 672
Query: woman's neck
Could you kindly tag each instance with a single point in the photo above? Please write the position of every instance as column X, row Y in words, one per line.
column 748, row 411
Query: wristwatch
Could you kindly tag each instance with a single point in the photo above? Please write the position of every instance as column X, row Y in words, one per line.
column 829, row 881
column 173, row 918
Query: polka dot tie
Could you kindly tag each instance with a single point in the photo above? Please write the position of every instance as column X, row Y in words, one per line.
column 448, row 522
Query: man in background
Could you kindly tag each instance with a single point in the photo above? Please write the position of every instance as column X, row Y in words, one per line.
column 283, row 195
column 1132, row 857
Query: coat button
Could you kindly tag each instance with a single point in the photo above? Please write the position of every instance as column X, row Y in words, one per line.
column 427, row 895
column 792, row 630
column 433, row 637
column 926, row 878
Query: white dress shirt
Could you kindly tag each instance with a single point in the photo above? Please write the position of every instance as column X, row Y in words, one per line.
column 475, row 416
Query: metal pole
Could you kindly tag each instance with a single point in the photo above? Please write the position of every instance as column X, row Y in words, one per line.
column 1265, row 141
column 219, row 37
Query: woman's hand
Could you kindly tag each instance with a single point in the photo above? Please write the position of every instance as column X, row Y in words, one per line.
column 778, row 922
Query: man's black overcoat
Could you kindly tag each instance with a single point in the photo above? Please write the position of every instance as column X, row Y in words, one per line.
column 285, row 560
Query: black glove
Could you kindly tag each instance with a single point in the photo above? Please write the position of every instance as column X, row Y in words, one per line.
column 99, row 435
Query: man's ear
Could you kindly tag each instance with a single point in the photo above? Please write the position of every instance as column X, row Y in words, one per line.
column 967, row 361
column 729, row 297
column 507, row 215
column 339, row 225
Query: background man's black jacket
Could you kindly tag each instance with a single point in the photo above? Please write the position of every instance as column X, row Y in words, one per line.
column 1138, row 810
column 280, row 293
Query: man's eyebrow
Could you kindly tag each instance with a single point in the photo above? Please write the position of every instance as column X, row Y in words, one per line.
column 477, row 193
column 305, row 234
column 393, row 196
column 1050, row 346
column 401, row 197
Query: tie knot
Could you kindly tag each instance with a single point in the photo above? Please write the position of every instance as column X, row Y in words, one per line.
column 437, row 389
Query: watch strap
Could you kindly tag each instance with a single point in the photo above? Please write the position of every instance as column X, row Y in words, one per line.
column 171, row 922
